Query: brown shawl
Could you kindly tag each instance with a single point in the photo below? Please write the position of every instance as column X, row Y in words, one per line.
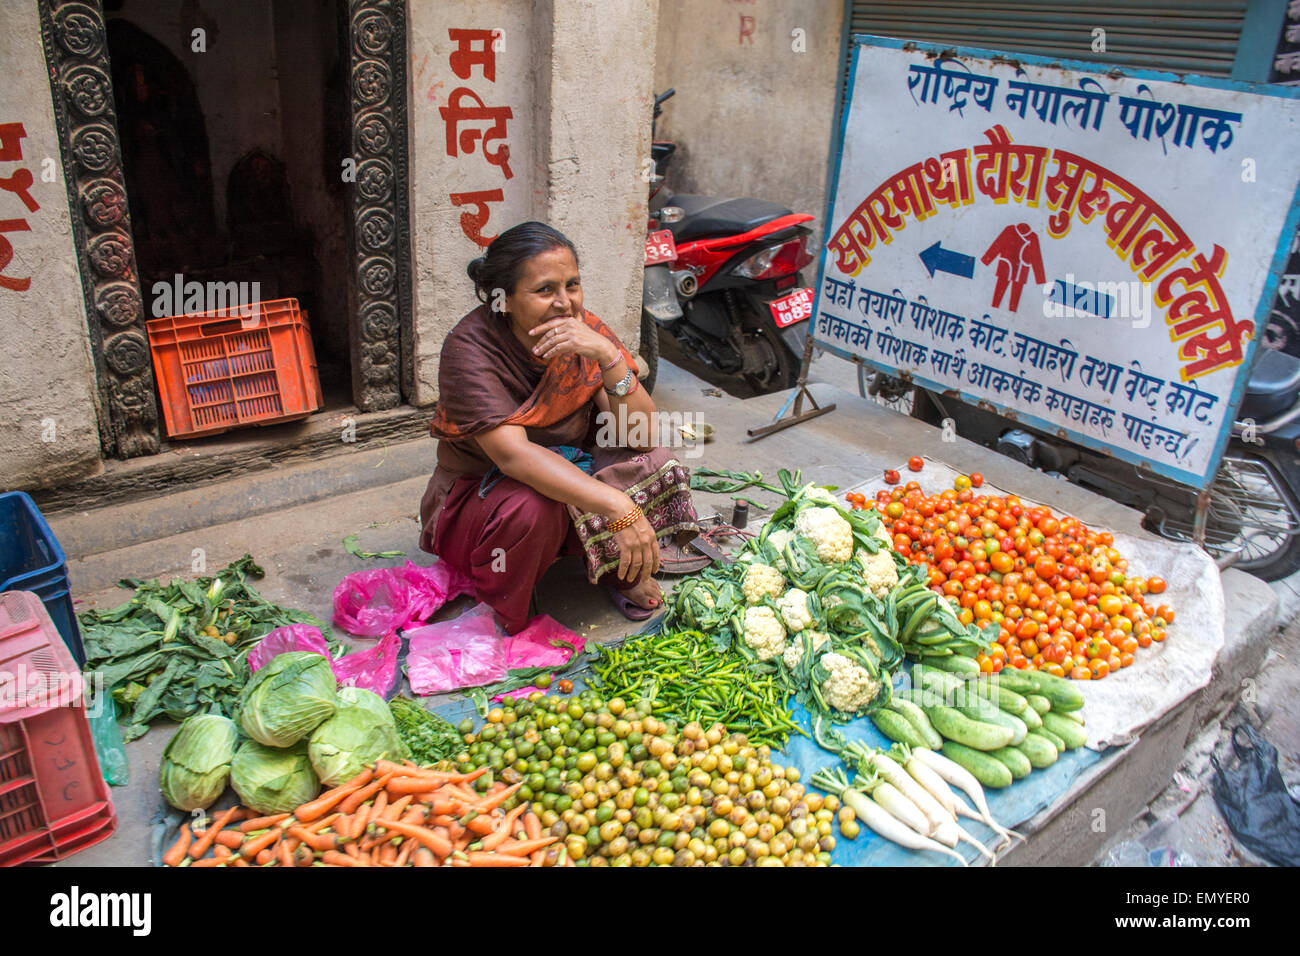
column 486, row 378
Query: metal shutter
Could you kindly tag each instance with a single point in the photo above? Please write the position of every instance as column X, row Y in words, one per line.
column 1185, row 36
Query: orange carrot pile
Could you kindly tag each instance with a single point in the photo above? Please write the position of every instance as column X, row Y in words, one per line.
column 391, row 814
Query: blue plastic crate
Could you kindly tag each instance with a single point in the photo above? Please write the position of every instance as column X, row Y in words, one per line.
column 31, row 560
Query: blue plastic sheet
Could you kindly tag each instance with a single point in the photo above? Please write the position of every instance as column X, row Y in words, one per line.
column 1010, row 806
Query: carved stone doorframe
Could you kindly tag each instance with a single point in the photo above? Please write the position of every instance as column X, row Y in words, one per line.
column 380, row 326
column 76, row 56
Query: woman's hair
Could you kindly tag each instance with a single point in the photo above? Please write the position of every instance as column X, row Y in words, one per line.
column 505, row 258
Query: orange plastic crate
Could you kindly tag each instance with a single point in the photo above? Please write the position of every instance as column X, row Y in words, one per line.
column 222, row 370
column 53, row 799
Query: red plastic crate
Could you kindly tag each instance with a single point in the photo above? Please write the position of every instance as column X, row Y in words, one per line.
column 222, row 370
column 53, row 798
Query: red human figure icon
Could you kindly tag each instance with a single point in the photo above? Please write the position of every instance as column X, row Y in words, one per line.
column 1016, row 252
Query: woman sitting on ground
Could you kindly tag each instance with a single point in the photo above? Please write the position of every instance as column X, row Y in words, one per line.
column 520, row 479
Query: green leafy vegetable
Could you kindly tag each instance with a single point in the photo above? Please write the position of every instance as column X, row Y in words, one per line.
column 360, row 732
column 196, row 764
column 288, row 698
column 352, row 547
column 272, row 780
column 427, row 736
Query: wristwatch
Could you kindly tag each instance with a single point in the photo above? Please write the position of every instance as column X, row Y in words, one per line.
column 624, row 386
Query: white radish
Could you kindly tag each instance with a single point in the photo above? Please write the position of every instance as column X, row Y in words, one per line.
column 938, row 789
column 893, row 800
column 961, row 778
column 881, row 821
column 894, row 774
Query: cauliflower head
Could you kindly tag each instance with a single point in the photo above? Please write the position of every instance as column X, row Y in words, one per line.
column 827, row 529
column 819, row 494
column 849, row 688
column 793, row 652
column 794, row 610
column 879, row 572
column 779, row 539
column 764, row 632
column 762, row 580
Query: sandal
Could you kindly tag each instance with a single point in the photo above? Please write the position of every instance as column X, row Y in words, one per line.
column 629, row 608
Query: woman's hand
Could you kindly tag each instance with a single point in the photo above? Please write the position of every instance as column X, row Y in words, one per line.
column 638, row 551
column 567, row 335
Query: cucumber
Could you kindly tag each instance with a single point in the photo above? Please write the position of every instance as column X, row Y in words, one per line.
column 1014, row 760
column 1074, row 715
column 957, row 664
column 1038, row 750
column 1060, row 693
column 1031, row 719
column 1040, row 703
column 1070, row 732
column 897, row 727
column 1056, row 741
column 1006, row 698
column 986, row 769
column 939, row 687
column 920, row 723
column 976, row 734
column 1000, row 717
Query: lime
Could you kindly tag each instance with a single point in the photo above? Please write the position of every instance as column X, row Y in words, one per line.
column 544, row 681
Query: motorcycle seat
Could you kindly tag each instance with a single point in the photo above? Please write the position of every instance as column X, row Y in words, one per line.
column 706, row 217
column 1272, row 384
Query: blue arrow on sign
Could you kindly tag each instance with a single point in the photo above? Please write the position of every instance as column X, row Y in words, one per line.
column 939, row 259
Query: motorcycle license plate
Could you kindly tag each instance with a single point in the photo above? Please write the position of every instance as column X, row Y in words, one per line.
column 793, row 308
column 660, row 247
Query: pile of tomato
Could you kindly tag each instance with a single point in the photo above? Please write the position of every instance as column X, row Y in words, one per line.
column 1059, row 591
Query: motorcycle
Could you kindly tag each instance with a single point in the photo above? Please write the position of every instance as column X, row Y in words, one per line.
column 1253, row 516
column 723, row 279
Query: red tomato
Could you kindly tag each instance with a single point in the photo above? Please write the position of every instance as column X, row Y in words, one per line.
column 891, row 477
column 915, row 463
column 976, row 479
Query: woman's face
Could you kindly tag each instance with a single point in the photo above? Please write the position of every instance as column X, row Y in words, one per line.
column 548, row 288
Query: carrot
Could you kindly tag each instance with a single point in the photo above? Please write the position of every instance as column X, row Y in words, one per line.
column 316, row 826
column 402, row 785
column 526, row 847
column 380, row 804
column 359, row 820
column 434, row 776
column 495, row 859
column 261, row 823
column 303, row 856
column 343, row 826
column 353, row 851
column 335, row 858
column 494, row 800
column 265, row 856
column 201, row 847
column 538, row 857
column 285, row 853
column 177, row 853
column 354, row 800
column 435, row 841
column 388, row 855
column 229, row 839
column 319, row 842
column 424, row 857
column 252, row 846
column 210, row 861
column 404, row 854
column 482, row 824
column 532, row 825
column 328, row 800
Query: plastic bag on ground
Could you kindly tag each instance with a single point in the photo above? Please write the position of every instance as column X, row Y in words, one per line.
column 1255, row 802
column 373, row 668
column 376, row 602
column 107, row 735
column 291, row 637
column 537, row 645
column 468, row 651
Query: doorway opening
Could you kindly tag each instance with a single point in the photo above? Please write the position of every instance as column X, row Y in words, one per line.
column 232, row 121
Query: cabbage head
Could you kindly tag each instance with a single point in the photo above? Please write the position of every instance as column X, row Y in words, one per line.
column 288, row 698
column 361, row 731
column 272, row 780
column 196, row 764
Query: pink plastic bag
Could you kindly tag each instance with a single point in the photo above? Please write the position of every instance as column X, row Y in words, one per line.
column 292, row 637
column 533, row 647
column 373, row 669
column 372, row 603
column 467, row 651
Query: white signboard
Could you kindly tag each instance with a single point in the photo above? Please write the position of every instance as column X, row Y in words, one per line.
column 1093, row 252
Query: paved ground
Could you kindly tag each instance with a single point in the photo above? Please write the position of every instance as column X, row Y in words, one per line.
column 300, row 545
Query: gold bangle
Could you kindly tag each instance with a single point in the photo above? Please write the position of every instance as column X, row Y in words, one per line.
column 629, row 519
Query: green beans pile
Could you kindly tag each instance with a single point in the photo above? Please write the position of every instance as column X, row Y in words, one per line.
column 680, row 675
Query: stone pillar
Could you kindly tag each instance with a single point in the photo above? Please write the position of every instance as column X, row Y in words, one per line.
column 594, row 104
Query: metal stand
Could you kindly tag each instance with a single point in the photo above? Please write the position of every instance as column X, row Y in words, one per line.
column 780, row 422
